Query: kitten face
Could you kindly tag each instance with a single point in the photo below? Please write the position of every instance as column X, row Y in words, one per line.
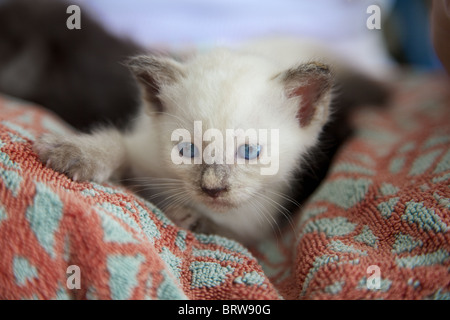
column 229, row 92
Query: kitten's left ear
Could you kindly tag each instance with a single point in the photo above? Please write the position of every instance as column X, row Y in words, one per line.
column 310, row 84
column 154, row 72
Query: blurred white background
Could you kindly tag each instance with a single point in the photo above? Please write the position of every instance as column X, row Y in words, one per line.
column 173, row 24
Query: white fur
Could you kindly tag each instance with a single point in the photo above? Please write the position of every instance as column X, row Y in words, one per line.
column 225, row 90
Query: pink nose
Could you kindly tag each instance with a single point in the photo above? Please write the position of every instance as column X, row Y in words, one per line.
column 213, row 193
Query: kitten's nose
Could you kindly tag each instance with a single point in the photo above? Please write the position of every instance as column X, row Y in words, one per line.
column 213, row 193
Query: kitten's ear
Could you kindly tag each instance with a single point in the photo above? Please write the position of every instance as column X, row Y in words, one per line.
column 310, row 84
column 153, row 72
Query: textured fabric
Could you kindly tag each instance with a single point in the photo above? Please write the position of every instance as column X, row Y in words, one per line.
column 382, row 211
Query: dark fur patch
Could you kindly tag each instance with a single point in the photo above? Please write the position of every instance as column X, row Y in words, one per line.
column 309, row 81
column 153, row 72
column 78, row 74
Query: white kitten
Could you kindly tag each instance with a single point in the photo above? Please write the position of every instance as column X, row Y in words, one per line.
column 224, row 90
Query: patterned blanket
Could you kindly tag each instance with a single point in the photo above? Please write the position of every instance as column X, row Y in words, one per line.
column 377, row 227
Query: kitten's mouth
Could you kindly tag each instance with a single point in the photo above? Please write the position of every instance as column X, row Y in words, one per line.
column 220, row 203
column 221, row 200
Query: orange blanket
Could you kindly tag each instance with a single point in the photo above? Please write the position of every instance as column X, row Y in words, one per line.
column 378, row 226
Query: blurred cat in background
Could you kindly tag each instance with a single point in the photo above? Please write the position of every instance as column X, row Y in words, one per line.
column 78, row 74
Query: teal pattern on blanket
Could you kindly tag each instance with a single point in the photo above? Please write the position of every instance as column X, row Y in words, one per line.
column 23, row 270
column 208, row 274
column 343, row 192
column 11, row 179
column 113, row 231
column 44, row 216
column 424, row 217
column 123, row 271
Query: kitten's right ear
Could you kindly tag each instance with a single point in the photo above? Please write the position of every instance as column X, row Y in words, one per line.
column 310, row 85
column 154, row 72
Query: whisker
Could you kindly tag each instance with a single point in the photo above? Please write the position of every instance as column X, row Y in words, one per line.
column 287, row 213
column 180, row 121
column 281, row 209
column 172, row 196
column 254, row 205
column 159, row 195
column 149, row 188
column 179, row 201
column 285, row 197
column 266, row 215
column 176, row 200
column 149, row 178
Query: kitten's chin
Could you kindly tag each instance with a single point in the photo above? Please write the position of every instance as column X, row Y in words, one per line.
column 220, row 205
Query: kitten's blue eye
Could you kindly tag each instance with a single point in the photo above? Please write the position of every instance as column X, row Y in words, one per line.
column 188, row 149
column 249, row 151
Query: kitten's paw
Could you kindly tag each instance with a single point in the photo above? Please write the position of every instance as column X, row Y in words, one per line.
column 69, row 155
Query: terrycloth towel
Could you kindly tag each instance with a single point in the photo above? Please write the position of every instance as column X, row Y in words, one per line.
column 377, row 227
